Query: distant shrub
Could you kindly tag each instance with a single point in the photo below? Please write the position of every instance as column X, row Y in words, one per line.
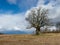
column 49, row 31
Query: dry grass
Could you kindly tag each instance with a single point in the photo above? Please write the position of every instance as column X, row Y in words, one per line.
column 42, row 39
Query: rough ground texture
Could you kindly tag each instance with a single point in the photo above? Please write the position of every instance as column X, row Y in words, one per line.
column 42, row 39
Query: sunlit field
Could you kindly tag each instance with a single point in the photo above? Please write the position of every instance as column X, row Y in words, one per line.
column 42, row 39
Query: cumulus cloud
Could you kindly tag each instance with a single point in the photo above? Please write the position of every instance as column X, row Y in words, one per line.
column 12, row 22
column 53, row 5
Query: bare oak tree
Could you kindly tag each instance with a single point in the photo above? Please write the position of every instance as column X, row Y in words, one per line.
column 37, row 18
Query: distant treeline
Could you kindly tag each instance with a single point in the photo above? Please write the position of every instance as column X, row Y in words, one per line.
column 49, row 31
column 1, row 33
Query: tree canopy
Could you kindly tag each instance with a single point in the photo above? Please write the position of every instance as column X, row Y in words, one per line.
column 37, row 18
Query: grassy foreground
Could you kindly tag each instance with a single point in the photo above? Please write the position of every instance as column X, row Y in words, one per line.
column 42, row 39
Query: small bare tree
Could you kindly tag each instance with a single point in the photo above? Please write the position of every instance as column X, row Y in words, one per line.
column 37, row 17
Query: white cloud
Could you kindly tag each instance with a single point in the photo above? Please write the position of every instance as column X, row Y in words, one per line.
column 12, row 22
column 53, row 5
column 40, row 2
column 27, row 3
column 12, row 1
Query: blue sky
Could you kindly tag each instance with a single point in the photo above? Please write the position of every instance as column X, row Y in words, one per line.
column 16, row 6
column 12, row 12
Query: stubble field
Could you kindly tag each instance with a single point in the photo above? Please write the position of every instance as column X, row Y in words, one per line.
column 42, row 39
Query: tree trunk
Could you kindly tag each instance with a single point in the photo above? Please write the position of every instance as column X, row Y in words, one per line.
column 37, row 30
